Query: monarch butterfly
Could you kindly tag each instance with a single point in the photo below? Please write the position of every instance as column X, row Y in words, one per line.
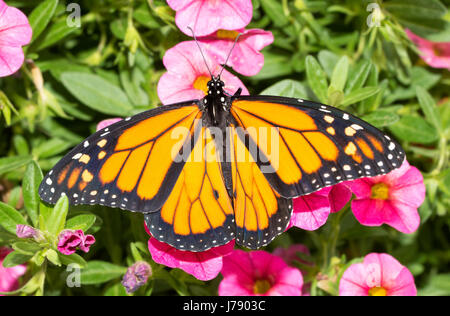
column 205, row 172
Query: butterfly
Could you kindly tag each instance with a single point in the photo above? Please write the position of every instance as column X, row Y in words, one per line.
column 205, row 172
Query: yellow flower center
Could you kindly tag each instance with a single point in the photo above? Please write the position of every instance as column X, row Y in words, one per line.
column 201, row 83
column 377, row 291
column 261, row 287
column 380, row 191
column 225, row 34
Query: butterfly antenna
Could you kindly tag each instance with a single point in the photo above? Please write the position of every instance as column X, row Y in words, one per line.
column 229, row 54
column 201, row 52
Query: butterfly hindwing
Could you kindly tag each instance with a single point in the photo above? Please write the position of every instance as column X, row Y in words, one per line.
column 198, row 214
column 128, row 164
column 260, row 212
column 310, row 145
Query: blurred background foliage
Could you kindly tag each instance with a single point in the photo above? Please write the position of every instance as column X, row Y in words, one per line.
column 324, row 50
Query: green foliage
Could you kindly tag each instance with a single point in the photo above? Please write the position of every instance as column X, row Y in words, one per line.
column 110, row 66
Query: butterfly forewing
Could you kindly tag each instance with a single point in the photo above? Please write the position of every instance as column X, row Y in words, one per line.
column 128, row 164
column 314, row 145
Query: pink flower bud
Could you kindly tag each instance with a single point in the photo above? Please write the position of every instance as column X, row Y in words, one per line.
column 25, row 231
column 136, row 276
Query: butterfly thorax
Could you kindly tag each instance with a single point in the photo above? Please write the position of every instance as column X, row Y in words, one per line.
column 215, row 103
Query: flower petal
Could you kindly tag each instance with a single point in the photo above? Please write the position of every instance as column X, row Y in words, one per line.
column 310, row 211
column 339, row 196
column 353, row 281
column 202, row 265
column 206, row 17
column 185, row 65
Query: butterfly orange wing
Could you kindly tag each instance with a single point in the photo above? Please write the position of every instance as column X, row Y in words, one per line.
column 305, row 146
column 129, row 164
column 198, row 214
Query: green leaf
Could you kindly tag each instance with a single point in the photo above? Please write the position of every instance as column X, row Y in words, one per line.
column 97, row 93
column 359, row 95
column 416, row 9
column 116, row 290
column 72, row 259
column 419, row 77
column 328, row 61
column 53, row 257
column 30, row 185
column 438, row 285
column 287, row 88
column 429, row 107
column 56, row 221
column 275, row 65
column 83, row 222
column 100, row 272
column 340, row 73
column 10, row 218
column 54, row 34
column 21, row 145
column 15, row 258
column 8, row 164
column 317, row 79
column 132, row 81
column 358, row 75
column 414, row 129
column 381, row 118
column 50, row 148
column 274, row 11
column 41, row 16
column 26, row 248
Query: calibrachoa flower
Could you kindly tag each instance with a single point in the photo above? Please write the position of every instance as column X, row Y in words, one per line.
column 136, row 276
column 258, row 273
column 390, row 199
column 245, row 58
column 208, row 16
column 9, row 276
column 106, row 123
column 311, row 211
column 69, row 240
column 15, row 32
column 379, row 274
column 435, row 54
column 187, row 75
column 204, row 265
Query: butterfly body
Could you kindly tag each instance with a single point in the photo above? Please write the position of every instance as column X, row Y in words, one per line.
column 205, row 172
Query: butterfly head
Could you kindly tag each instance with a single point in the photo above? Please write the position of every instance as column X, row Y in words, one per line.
column 215, row 86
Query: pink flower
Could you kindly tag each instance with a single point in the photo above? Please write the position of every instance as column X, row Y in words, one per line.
column 187, row 75
column 379, row 274
column 70, row 240
column 204, row 265
column 105, row 123
column 245, row 57
column 311, row 211
column 390, row 199
column 208, row 16
column 15, row 32
column 435, row 54
column 258, row 273
column 136, row 276
column 9, row 277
